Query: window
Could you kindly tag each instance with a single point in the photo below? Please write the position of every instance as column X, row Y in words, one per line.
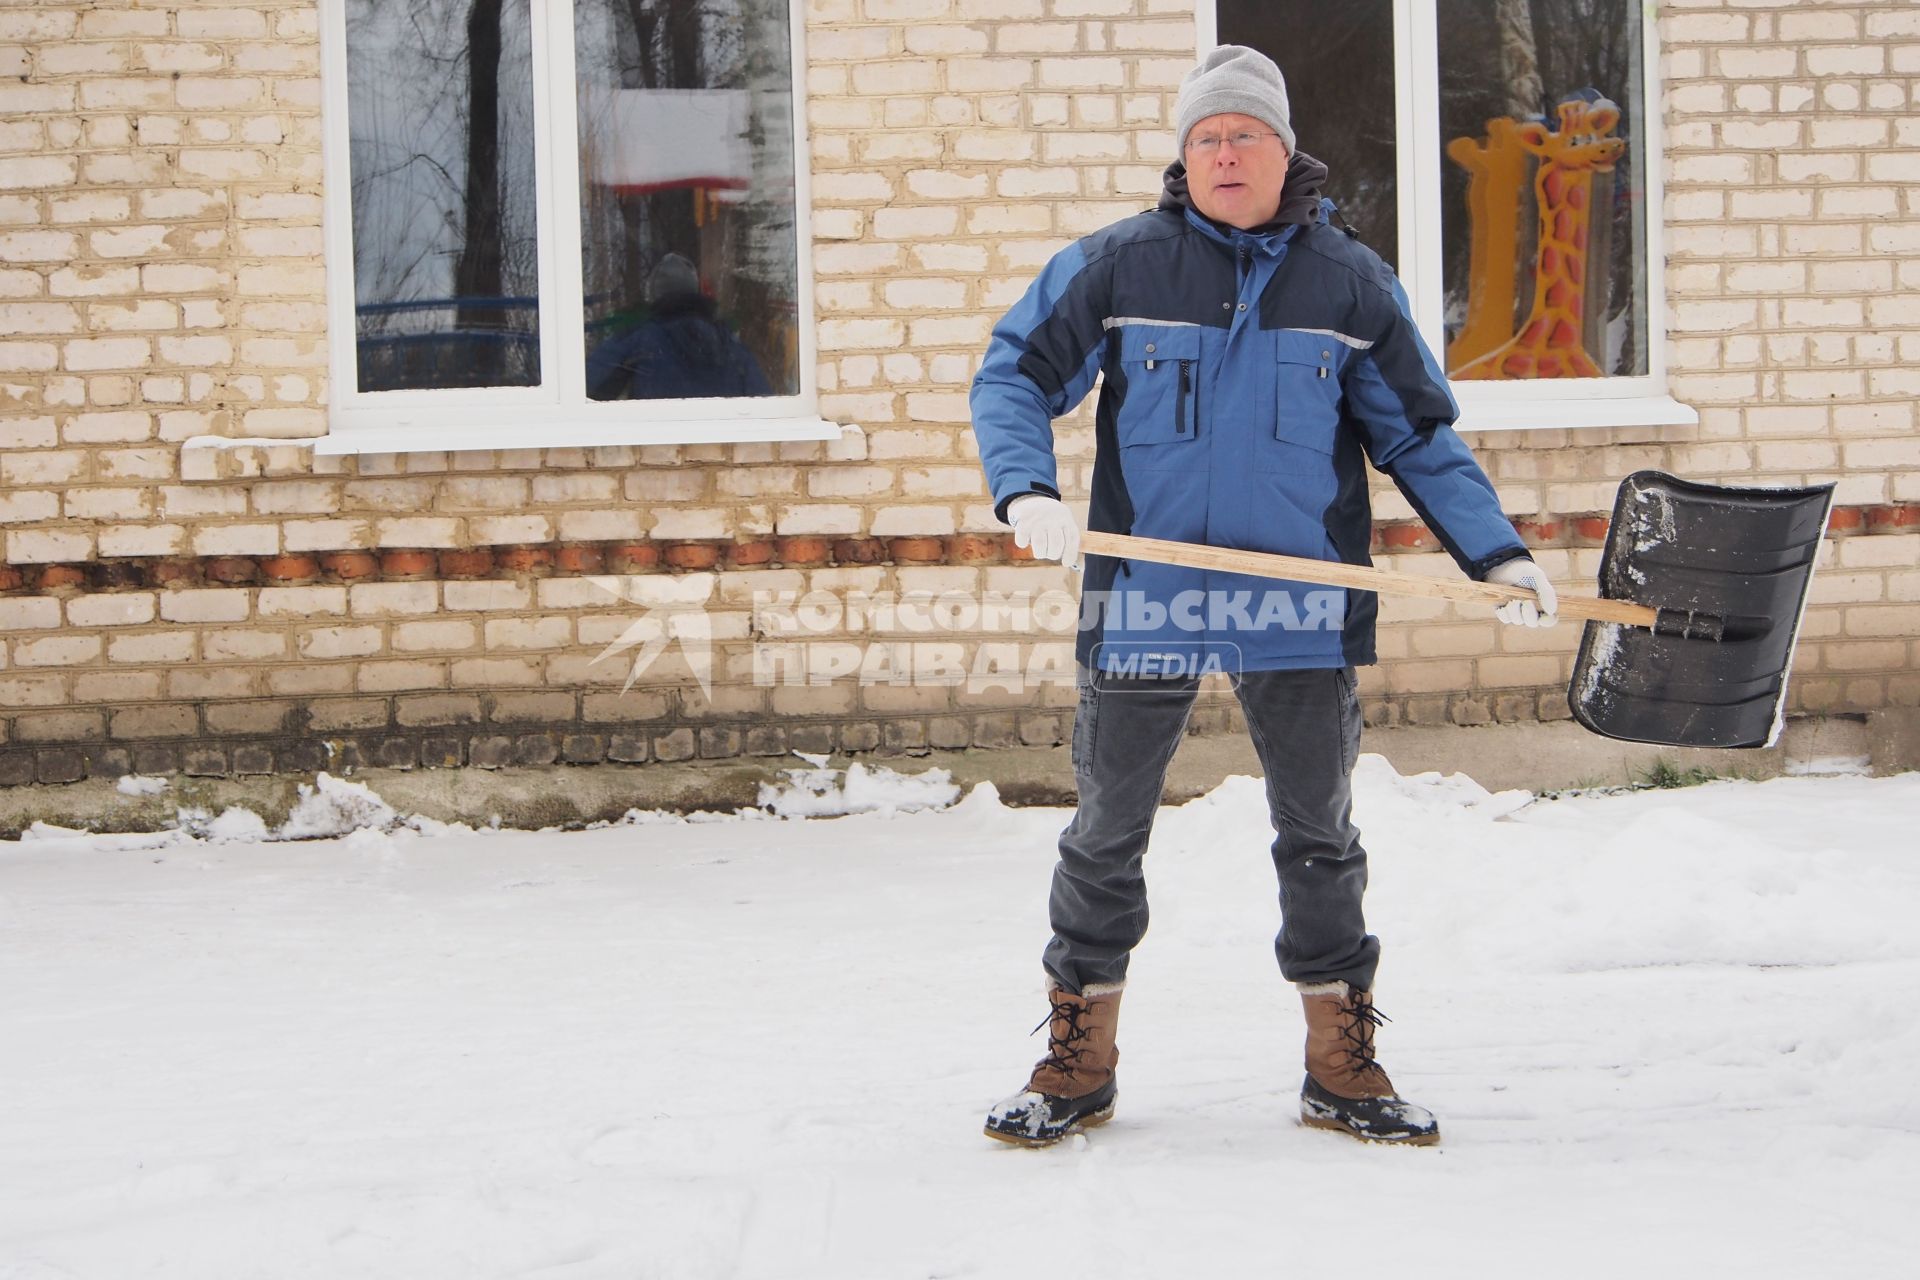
column 1447, row 126
column 565, row 222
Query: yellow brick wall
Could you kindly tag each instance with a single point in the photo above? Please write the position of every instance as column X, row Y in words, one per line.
column 161, row 278
column 1793, row 236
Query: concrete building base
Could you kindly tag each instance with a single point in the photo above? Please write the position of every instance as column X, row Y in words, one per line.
column 1536, row 757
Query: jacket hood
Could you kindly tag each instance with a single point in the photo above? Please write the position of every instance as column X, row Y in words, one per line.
column 1299, row 198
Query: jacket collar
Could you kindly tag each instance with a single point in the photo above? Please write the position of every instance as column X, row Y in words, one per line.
column 1300, row 204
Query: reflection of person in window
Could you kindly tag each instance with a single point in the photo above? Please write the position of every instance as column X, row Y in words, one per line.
column 682, row 351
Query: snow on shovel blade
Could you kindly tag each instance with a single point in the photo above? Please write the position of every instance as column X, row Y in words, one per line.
column 1728, row 569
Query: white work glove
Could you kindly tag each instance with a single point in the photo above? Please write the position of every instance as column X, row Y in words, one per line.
column 1523, row 572
column 1045, row 526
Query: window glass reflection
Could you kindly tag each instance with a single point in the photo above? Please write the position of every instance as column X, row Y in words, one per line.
column 1338, row 61
column 441, row 138
column 689, row 249
column 1544, row 210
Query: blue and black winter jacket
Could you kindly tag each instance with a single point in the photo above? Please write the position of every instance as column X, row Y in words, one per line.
column 1249, row 375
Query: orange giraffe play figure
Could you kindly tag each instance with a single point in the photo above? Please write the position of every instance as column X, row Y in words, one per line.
column 1497, row 174
column 1550, row 343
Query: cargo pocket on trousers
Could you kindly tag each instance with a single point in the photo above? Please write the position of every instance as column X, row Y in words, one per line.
column 1346, row 686
column 1085, row 713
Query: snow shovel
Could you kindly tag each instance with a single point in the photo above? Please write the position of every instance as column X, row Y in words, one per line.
column 1688, row 645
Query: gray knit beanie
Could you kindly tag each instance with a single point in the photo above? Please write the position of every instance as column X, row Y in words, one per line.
column 1237, row 79
column 672, row 277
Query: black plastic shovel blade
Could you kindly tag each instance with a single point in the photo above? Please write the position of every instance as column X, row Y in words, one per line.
column 1729, row 569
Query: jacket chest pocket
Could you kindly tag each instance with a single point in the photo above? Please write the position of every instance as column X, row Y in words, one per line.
column 1307, row 389
column 1161, row 365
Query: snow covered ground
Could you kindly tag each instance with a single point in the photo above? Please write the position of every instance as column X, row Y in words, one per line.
column 1667, row 1034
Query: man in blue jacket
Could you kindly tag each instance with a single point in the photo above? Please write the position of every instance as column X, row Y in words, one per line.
column 1255, row 359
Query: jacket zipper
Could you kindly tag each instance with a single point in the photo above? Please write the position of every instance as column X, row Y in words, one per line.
column 1186, row 389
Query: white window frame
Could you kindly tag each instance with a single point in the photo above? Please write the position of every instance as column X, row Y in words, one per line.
column 1542, row 403
column 558, row 412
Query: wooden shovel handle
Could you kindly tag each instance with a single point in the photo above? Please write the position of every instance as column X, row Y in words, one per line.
column 1328, row 573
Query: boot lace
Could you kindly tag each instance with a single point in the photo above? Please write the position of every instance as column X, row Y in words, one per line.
column 1357, row 1030
column 1061, row 1053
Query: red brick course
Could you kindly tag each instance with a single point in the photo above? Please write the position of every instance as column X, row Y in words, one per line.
column 291, row 568
column 801, row 552
column 692, row 555
column 524, row 559
column 632, row 557
column 55, row 576
column 750, row 555
column 976, row 548
column 1847, row 519
column 232, row 570
column 405, row 564
column 476, row 563
column 792, row 551
column 859, row 551
column 579, row 558
column 350, row 566
column 918, row 550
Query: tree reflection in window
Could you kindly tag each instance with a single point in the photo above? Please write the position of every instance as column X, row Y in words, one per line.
column 1339, row 65
column 445, row 247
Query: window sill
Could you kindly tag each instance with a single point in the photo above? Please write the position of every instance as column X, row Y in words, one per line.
column 433, row 437
column 1587, row 411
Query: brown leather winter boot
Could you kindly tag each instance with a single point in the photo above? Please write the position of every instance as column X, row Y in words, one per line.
column 1073, row 1087
column 1345, row 1088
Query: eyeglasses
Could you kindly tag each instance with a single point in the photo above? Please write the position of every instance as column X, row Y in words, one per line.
column 1240, row 141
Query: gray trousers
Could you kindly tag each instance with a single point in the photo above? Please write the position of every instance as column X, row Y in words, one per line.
column 1305, row 726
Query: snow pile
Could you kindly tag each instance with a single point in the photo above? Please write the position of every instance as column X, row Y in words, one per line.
column 822, row 791
column 1381, row 792
column 333, row 806
column 232, row 825
column 238, row 826
column 46, row 833
column 1716, row 888
column 135, row 784
column 328, row 808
